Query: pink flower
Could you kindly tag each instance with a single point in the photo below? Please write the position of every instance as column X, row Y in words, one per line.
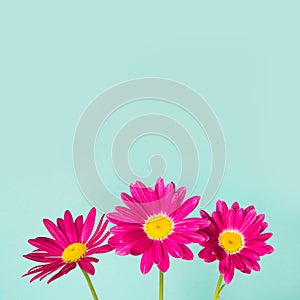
column 154, row 224
column 236, row 239
column 72, row 245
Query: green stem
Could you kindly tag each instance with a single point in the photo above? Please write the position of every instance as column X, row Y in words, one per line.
column 161, row 285
column 89, row 282
column 218, row 287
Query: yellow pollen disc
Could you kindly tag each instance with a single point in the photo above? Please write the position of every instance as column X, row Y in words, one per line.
column 231, row 241
column 74, row 252
column 158, row 227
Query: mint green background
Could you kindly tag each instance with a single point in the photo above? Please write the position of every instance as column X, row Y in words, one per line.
column 243, row 57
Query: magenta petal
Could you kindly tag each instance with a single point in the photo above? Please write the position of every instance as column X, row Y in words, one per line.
column 165, row 263
column 146, row 261
column 141, row 246
column 239, row 218
column 139, row 192
column 46, row 244
column 78, row 227
column 100, row 250
column 248, row 220
column 187, row 253
column 157, row 251
column 61, row 226
column 160, row 188
column 222, row 208
column 91, row 259
column 70, row 227
column 198, row 237
column 178, row 238
column 265, row 236
column 88, row 225
column 186, row 208
column 207, row 255
column 169, row 188
column 229, row 275
column 173, row 248
column 235, row 206
column 249, row 253
column 42, row 257
column 224, row 265
column 65, row 270
column 86, row 266
column 56, row 232
column 126, row 198
column 98, row 233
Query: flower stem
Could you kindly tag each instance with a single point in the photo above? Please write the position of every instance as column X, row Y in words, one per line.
column 218, row 288
column 161, row 285
column 88, row 279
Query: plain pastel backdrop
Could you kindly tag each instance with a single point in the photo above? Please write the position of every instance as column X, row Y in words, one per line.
column 241, row 56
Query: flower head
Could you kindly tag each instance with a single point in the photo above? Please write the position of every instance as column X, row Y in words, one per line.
column 154, row 224
column 72, row 244
column 236, row 239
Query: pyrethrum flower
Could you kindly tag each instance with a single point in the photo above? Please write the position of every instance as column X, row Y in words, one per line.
column 154, row 224
column 72, row 245
column 236, row 239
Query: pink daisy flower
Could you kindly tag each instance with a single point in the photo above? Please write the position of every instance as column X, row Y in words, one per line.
column 236, row 239
column 72, row 244
column 154, row 224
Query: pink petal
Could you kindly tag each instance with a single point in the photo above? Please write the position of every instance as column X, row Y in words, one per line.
column 157, row 251
column 222, row 208
column 146, row 261
column 139, row 192
column 125, row 228
column 88, row 225
column 178, row 238
column 160, row 188
column 56, row 232
column 141, row 246
column 231, row 219
column 249, row 253
column 229, row 276
column 65, row 270
column 235, row 206
column 45, row 268
column 239, row 218
column 187, row 253
column 78, row 227
column 198, row 238
column 264, row 236
column 41, row 257
column 165, row 263
column 169, row 188
column 98, row 232
column 61, row 226
column 248, row 220
column 224, row 265
column 124, row 248
column 126, row 198
column 47, row 244
column 173, row 248
column 207, row 255
column 185, row 209
column 99, row 242
column 69, row 227
column 91, row 259
column 86, row 266
column 100, row 250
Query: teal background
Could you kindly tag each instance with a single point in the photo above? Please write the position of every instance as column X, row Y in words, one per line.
column 242, row 57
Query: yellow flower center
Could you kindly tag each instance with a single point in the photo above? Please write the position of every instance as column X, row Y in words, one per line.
column 158, row 227
column 74, row 252
column 231, row 241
